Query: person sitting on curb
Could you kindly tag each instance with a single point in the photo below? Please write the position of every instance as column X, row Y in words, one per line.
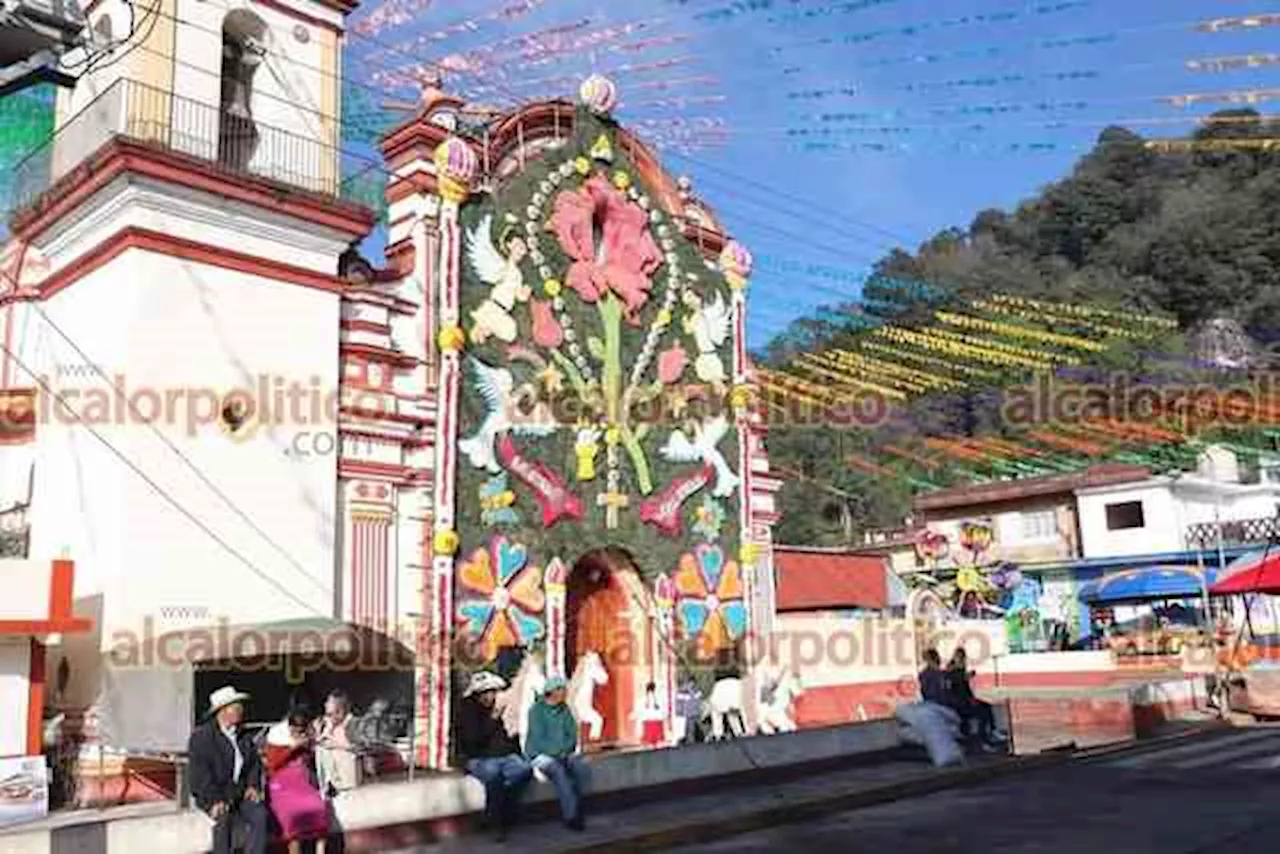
column 492, row 754
column 552, row 747
column 933, row 682
column 967, row 705
column 226, row 774
column 336, row 761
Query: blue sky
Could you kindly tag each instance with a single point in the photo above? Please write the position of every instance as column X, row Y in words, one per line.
column 902, row 73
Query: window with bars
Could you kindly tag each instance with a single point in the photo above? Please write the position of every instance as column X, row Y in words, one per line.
column 1038, row 525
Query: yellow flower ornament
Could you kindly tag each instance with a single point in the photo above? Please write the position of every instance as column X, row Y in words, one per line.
column 445, row 543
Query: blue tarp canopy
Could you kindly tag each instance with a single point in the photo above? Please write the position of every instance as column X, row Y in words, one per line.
column 1146, row 584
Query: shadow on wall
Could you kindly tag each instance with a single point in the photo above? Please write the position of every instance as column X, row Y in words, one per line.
column 74, row 667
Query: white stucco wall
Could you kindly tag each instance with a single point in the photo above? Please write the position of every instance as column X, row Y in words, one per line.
column 1169, row 507
column 295, row 92
column 192, row 332
column 190, row 215
column 1162, row 529
column 15, row 475
column 15, row 664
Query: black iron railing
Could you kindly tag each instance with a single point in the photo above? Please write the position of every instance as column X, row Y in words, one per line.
column 233, row 142
column 1237, row 533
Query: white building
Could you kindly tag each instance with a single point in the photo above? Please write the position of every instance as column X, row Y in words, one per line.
column 184, row 345
column 1160, row 515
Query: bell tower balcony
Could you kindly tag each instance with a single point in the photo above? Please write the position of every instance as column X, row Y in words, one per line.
column 238, row 147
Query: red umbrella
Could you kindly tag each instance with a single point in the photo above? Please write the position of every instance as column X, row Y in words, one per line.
column 1258, row 572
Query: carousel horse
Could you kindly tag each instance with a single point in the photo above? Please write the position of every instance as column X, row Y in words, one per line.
column 775, row 713
column 523, row 691
column 725, row 707
column 587, row 675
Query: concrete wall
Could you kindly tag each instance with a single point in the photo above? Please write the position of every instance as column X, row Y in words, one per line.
column 1162, row 529
column 1046, row 719
column 1169, row 506
column 178, row 337
column 1012, row 541
column 15, row 665
column 860, row 668
column 401, row 811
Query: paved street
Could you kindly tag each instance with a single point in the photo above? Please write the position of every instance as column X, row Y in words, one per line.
column 1216, row 794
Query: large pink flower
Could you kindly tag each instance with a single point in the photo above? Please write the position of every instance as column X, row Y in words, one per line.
column 627, row 256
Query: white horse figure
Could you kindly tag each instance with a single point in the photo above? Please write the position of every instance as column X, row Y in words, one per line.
column 587, row 675
column 775, row 714
column 519, row 697
column 725, row 706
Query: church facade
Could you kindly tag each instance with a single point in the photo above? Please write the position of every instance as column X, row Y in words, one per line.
column 532, row 429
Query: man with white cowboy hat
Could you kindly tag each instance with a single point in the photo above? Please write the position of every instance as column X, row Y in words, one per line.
column 492, row 754
column 226, row 773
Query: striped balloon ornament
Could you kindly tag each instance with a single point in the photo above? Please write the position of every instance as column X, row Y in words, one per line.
column 598, row 94
column 736, row 263
column 456, row 166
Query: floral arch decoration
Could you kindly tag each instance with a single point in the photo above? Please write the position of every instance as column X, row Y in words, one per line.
column 601, row 389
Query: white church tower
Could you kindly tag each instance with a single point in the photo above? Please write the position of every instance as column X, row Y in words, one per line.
column 183, row 343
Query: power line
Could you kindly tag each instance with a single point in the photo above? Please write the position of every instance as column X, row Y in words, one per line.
column 801, row 134
column 842, row 252
column 777, row 193
column 1056, row 42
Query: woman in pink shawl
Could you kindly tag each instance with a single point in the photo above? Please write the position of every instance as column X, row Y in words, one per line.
column 292, row 792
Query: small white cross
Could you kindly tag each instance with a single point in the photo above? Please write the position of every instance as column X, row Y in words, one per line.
column 612, row 502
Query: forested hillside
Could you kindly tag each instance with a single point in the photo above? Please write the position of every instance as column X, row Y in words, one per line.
column 1190, row 230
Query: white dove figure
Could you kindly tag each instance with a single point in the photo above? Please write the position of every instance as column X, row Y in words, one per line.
column 502, row 272
column 709, row 326
column 702, row 448
column 497, row 386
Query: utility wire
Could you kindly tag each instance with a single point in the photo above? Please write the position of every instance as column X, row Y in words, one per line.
column 842, row 252
column 775, row 192
column 156, row 487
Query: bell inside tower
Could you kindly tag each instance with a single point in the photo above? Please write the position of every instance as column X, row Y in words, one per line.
column 243, row 51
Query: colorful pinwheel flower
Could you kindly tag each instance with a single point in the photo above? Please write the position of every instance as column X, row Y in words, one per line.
column 508, row 610
column 711, row 605
column 976, row 537
column 495, row 502
column 932, row 545
column 708, row 519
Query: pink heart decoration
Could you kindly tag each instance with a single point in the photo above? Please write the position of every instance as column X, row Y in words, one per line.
column 546, row 329
column 671, row 364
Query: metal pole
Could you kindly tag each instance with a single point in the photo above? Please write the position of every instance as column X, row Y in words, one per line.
column 1210, row 637
column 413, row 747
column 1217, row 518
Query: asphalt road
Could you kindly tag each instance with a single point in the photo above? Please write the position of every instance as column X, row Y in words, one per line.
column 1214, row 794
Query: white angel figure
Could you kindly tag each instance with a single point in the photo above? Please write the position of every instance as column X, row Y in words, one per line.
column 709, row 326
column 502, row 273
column 702, row 448
column 497, row 386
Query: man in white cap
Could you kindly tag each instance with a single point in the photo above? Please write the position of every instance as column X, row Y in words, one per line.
column 493, row 754
column 226, row 774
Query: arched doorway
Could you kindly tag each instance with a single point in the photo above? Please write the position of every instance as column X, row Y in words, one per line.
column 607, row 612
